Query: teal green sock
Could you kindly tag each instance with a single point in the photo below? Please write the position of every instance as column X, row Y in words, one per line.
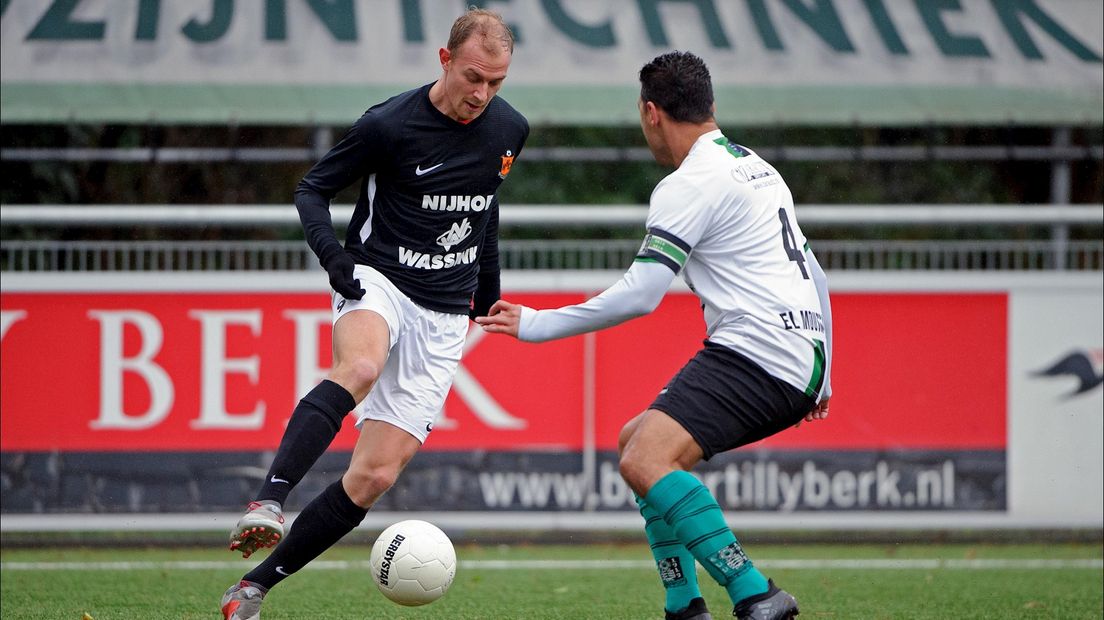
column 696, row 519
column 676, row 565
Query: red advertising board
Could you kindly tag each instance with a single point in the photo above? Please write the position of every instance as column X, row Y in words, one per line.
column 219, row 371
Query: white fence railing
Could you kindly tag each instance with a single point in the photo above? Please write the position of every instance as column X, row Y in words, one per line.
column 253, row 216
column 80, row 256
column 1057, row 252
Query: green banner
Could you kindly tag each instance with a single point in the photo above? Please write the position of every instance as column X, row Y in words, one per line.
column 885, row 62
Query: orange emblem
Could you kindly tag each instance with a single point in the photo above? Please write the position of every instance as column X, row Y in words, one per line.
column 507, row 163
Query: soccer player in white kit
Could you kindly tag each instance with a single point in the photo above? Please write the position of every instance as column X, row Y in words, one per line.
column 724, row 220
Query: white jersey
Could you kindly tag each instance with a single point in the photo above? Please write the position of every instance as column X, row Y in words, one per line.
column 725, row 222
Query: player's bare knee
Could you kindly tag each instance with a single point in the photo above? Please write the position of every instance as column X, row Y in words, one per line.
column 626, row 434
column 365, row 486
column 633, row 470
column 359, row 375
column 623, row 440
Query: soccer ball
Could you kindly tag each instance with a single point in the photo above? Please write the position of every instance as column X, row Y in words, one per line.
column 413, row 563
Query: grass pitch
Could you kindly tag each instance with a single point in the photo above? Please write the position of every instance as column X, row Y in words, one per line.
column 606, row 582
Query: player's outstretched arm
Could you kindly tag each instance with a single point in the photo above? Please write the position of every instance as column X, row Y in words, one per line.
column 637, row 293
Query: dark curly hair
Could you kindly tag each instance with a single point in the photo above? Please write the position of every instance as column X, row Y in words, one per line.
column 679, row 83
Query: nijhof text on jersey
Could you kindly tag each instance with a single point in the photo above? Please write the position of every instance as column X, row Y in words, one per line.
column 457, row 203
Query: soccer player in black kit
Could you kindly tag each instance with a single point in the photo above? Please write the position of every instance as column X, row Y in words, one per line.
column 420, row 257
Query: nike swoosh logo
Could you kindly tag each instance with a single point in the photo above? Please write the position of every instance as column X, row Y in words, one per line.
column 419, row 171
column 280, row 569
column 275, row 479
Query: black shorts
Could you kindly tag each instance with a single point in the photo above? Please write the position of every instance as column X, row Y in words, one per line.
column 725, row 400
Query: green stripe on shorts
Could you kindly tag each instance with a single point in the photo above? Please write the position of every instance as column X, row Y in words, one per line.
column 817, row 379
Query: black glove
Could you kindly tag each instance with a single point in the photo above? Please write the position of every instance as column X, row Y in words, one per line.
column 340, row 267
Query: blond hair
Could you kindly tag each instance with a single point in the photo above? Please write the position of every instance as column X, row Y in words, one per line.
column 486, row 24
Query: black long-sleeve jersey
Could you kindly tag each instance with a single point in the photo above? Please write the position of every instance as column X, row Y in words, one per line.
column 427, row 213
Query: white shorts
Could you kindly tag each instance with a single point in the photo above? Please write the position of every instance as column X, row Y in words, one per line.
column 425, row 351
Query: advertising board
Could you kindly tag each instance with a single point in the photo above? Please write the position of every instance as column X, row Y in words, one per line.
column 177, row 396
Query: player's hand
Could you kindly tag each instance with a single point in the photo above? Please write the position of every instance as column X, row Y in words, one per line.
column 340, row 268
column 819, row 412
column 502, row 318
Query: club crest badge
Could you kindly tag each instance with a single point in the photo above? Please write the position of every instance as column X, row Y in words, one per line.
column 507, row 163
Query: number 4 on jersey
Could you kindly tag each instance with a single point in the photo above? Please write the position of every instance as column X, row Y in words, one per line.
column 789, row 242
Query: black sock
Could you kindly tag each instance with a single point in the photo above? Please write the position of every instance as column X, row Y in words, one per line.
column 322, row 523
column 313, row 426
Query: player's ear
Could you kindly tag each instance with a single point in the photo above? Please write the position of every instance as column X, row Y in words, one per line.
column 445, row 57
column 651, row 113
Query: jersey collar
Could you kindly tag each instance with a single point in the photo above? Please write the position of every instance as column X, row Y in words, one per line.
column 707, row 137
